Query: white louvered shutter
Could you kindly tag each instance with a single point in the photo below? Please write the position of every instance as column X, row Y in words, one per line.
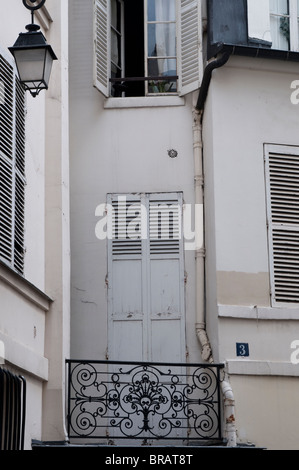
column 102, row 46
column 166, row 323
column 146, row 278
column 189, row 46
column 126, row 303
column 6, row 161
column 12, row 167
column 282, row 166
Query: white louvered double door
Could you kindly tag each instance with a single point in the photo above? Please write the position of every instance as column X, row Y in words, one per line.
column 146, row 318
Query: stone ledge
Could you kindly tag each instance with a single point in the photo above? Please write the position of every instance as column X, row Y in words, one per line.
column 24, row 287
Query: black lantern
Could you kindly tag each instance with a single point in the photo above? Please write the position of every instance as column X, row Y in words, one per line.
column 33, row 56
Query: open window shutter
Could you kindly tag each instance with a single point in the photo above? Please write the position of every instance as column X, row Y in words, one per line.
column 283, row 222
column 189, row 46
column 102, row 46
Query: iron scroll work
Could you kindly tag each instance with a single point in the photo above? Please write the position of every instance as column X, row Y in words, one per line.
column 145, row 401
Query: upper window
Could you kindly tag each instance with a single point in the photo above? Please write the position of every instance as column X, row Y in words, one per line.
column 147, row 47
column 255, row 23
column 284, row 19
column 12, row 167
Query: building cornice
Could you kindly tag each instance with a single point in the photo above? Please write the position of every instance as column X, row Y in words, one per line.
column 19, row 284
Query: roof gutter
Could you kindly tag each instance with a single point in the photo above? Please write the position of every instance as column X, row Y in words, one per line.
column 240, row 50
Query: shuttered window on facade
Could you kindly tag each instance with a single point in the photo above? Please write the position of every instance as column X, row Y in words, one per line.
column 282, row 177
column 12, row 167
column 187, row 46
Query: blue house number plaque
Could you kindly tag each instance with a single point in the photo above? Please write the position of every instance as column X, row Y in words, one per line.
column 242, row 349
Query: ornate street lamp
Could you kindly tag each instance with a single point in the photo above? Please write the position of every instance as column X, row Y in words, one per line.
column 33, row 56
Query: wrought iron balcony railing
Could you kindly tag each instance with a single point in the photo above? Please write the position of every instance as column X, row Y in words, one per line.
column 108, row 401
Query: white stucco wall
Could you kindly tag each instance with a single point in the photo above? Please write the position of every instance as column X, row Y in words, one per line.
column 31, row 339
column 249, row 105
column 23, row 308
column 116, row 149
column 14, row 18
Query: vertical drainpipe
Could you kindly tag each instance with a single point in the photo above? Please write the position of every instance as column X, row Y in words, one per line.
column 206, row 350
column 201, row 332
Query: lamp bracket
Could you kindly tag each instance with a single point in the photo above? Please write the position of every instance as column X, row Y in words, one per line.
column 30, row 4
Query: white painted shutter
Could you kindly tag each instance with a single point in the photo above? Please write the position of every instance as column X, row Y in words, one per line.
column 102, row 46
column 12, row 167
column 125, row 278
column 189, row 46
column 146, row 278
column 283, row 221
column 6, row 161
column 166, row 323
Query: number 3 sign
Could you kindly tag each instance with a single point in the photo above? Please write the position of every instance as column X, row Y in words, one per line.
column 242, row 349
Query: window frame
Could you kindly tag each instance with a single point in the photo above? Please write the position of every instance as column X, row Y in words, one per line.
column 189, row 50
column 294, row 25
column 293, row 16
column 147, row 57
column 119, row 34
